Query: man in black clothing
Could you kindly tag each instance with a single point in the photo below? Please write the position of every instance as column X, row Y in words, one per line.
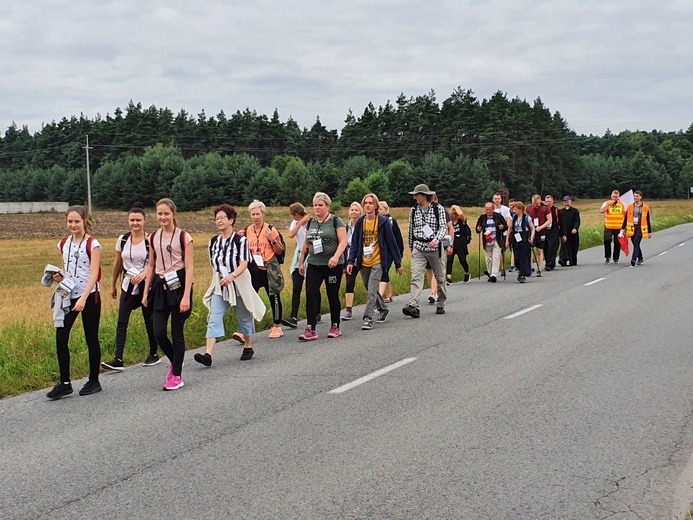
column 553, row 235
column 569, row 220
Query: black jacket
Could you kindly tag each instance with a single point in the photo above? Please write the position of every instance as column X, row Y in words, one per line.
column 501, row 226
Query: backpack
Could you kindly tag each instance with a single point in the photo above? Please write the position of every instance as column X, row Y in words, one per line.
column 466, row 232
column 90, row 240
column 281, row 256
column 124, row 240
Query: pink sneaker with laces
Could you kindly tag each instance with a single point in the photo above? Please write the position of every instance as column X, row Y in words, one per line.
column 334, row 332
column 308, row 335
column 174, row 383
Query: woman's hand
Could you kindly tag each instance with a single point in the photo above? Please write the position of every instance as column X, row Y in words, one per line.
column 449, row 250
column 136, row 280
column 114, row 292
column 333, row 262
column 185, row 304
column 79, row 305
column 227, row 280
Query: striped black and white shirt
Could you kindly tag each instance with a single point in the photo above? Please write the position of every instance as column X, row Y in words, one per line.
column 228, row 252
column 418, row 218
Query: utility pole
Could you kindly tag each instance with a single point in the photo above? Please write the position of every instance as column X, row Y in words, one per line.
column 87, row 148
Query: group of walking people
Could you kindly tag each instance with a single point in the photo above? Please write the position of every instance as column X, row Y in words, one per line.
column 155, row 272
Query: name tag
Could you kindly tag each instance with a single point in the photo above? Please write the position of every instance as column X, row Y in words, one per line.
column 317, row 246
column 172, row 281
column 65, row 287
column 258, row 260
column 367, row 252
column 518, row 237
column 635, row 220
column 427, row 231
column 536, row 222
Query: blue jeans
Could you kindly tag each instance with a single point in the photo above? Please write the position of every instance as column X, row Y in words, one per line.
column 215, row 321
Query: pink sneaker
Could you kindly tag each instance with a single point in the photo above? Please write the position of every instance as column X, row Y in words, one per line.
column 334, row 332
column 276, row 332
column 308, row 335
column 174, row 383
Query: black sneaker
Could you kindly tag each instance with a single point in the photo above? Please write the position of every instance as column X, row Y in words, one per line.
column 114, row 364
column 448, row 282
column 318, row 320
column 615, row 261
column 203, row 359
column 247, row 354
column 367, row 324
column 440, row 310
column 91, row 387
column 290, row 322
column 60, row 390
column 382, row 316
column 411, row 311
column 431, row 299
column 639, row 262
column 151, row 361
column 467, row 277
column 607, row 260
column 522, row 279
column 562, row 263
column 632, row 263
column 492, row 279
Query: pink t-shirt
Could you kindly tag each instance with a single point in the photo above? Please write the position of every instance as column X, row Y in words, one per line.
column 167, row 250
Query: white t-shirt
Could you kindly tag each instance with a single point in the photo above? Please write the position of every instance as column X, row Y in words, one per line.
column 76, row 264
column 300, row 239
column 133, row 255
column 505, row 213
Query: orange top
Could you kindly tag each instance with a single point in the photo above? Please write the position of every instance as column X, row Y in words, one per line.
column 259, row 243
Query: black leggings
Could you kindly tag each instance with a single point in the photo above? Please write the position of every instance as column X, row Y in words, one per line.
column 332, row 277
column 451, row 260
column 129, row 303
column 297, row 281
column 91, row 317
column 351, row 280
column 174, row 350
column 259, row 279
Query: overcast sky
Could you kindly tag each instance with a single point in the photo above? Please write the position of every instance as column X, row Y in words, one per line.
column 602, row 64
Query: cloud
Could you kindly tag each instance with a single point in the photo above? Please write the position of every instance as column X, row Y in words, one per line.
column 619, row 64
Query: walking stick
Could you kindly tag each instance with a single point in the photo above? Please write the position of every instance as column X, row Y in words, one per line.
column 503, row 262
column 479, row 257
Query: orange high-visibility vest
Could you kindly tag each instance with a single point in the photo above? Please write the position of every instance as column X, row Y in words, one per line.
column 613, row 218
column 630, row 227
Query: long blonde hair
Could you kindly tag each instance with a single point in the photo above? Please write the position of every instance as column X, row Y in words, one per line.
column 172, row 206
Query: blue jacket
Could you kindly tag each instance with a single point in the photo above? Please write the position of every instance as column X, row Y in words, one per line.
column 389, row 252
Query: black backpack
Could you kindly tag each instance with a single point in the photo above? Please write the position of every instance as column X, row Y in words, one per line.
column 281, row 256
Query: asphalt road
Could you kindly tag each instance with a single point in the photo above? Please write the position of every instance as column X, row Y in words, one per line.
column 579, row 408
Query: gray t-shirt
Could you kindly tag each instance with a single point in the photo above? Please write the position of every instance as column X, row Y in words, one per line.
column 327, row 232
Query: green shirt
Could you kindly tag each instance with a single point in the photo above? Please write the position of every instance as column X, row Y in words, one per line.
column 327, row 232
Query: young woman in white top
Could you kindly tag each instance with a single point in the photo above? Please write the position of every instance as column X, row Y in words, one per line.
column 168, row 287
column 132, row 253
column 81, row 264
column 355, row 212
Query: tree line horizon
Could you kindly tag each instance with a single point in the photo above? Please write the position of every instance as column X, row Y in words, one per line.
column 464, row 148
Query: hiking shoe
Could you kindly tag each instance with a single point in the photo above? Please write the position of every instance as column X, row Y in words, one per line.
column 174, row 383
column 411, row 311
column 492, row 279
column 276, row 332
column 348, row 315
column 639, row 262
column 512, row 269
column 562, row 263
column 367, row 324
column 467, row 278
column 91, row 387
column 114, row 364
column 290, row 322
column 238, row 337
column 247, row 354
column 334, row 332
column 318, row 319
column 539, row 273
column 204, row 359
column 382, row 316
column 60, row 390
column 607, row 260
column 632, row 263
column 448, row 282
column 615, row 261
column 151, row 361
column 440, row 310
column 308, row 335
column 431, row 299
column 522, row 279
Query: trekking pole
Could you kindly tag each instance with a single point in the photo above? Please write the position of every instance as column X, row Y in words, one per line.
column 479, row 257
column 503, row 262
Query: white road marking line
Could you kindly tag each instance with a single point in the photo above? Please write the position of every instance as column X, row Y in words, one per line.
column 682, row 244
column 524, row 311
column 372, row 375
column 594, row 281
column 663, row 253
